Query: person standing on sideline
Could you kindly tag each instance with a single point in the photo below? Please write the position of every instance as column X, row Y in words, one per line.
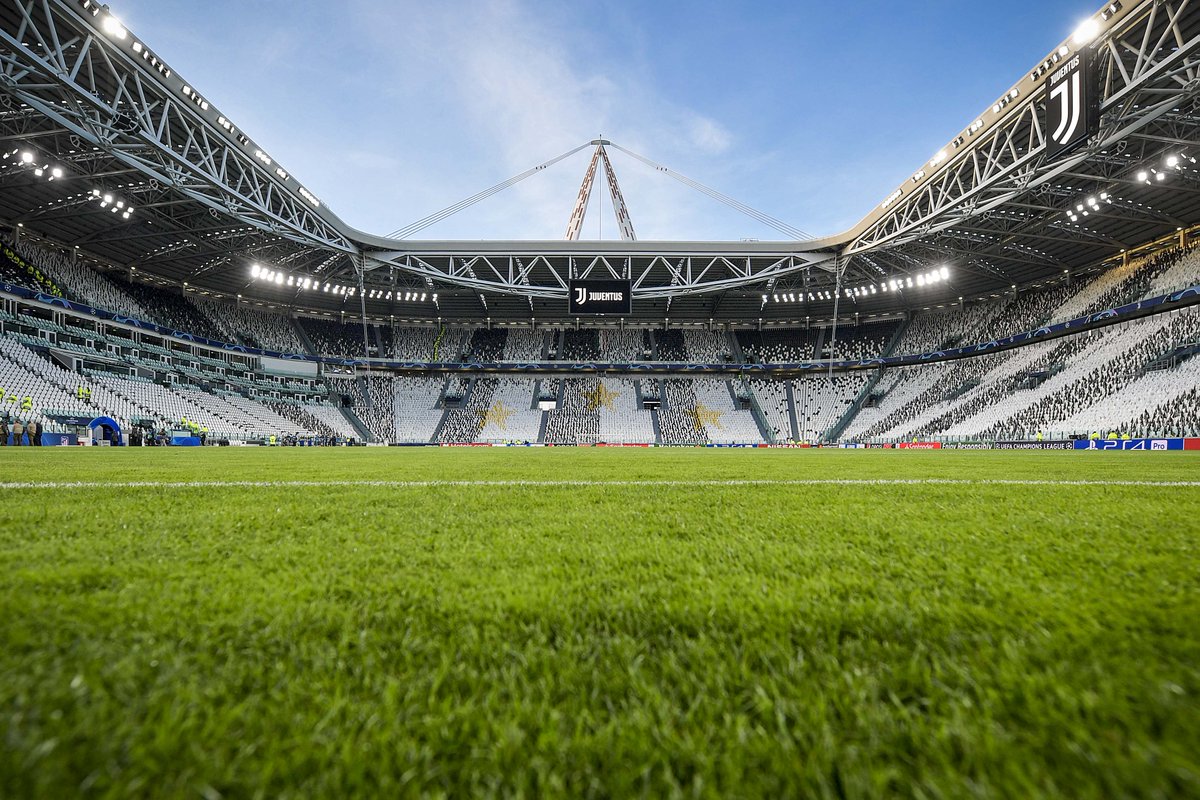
column 18, row 431
column 3, row 431
column 35, row 433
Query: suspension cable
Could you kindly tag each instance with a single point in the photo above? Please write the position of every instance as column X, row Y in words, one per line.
column 449, row 211
column 765, row 219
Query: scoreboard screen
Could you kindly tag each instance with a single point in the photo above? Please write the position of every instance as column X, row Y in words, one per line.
column 600, row 297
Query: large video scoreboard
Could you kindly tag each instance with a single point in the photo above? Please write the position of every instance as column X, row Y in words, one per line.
column 590, row 298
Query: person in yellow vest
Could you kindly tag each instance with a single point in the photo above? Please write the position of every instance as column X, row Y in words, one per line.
column 78, row 392
column 27, row 403
column 1112, row 434
column 1095, row 435
column 273, row 440
column 1040, row 437
column 1125, row 437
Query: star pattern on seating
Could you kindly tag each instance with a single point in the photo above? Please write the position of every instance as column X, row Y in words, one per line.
column 601, row 396
column 704, row 416
column 497, row 415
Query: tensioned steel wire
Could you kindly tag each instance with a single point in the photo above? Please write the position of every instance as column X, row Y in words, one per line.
column 787, row 230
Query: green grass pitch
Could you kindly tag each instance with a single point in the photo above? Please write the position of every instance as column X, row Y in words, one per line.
column 649, row 639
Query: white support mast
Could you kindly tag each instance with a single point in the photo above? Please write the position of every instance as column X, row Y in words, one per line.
column 600, row 158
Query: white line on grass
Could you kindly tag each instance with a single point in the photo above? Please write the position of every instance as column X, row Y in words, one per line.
column 517, row 484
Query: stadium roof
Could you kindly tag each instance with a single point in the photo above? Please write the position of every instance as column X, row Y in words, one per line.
column 94, row 121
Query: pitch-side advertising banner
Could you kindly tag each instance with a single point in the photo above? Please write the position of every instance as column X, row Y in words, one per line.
column 1065, row 444
column 1129, row 444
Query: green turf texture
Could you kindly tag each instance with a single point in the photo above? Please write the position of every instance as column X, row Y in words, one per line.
column 932, row 641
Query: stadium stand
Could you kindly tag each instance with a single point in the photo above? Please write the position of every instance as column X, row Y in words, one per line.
column 670, row 345
column 170, row 310
column 705, row 347
column 416, row 410
column 464, row 424
column 332, row 338
column 821, row 401
column 524, row 345
column 780, row 346
column 511, row 415
column 575, row 420
column 580, row 345
column 620, row 346
column 240, row 324
column 487, row 345
column 15, row 269
column 373, row 402
column 722, row 415
column 1129, row 378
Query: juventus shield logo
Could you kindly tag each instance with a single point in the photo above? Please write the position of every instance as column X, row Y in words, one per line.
column 1072, row 114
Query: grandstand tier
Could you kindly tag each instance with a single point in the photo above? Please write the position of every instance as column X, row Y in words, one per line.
column 60, row 365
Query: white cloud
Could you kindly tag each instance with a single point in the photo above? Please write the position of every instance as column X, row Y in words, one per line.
column 511, row 92
column 709, row 136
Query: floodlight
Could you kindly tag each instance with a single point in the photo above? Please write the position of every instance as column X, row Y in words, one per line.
column 1143, row 176
column 58, row 173
column 27, row 157
column 279, row 279
column 113, row 27
column 1172, row 161
column 946, row 273
column 1087, row 31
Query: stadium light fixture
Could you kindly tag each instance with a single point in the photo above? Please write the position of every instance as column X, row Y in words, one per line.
column 1086, row 33
column 27, row 157
column 255, row 270
column 113, row 27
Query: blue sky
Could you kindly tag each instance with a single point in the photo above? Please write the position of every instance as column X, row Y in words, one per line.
column 813, row 112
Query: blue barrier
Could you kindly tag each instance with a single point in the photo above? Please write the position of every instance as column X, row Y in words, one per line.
column 1129, row 444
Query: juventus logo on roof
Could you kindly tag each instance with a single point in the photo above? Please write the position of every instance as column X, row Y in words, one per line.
column 1072, row 107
